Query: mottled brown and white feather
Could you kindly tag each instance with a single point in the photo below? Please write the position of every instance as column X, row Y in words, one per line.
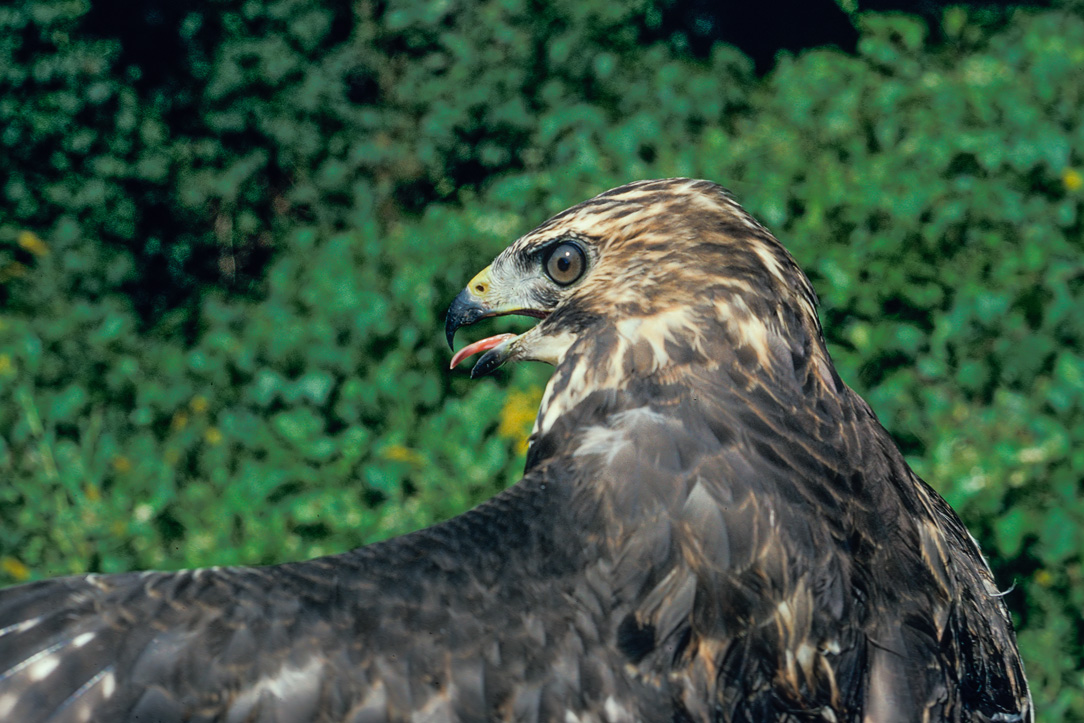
column 711, row 527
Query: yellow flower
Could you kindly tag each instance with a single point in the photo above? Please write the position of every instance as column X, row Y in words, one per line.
column 32, row 243
column 15, row 568
column 180, row 421
column 199, row 405
column 213, row 436
column 122, row 464
column 1072, row 179
column 7, row 367
column 399, row 453
column 92, row 492
column 1044, row 578
column 517, row 416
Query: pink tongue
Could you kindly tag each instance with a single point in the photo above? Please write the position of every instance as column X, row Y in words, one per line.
column 483, row 345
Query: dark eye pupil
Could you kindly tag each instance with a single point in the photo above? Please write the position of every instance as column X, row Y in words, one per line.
column 566, row 264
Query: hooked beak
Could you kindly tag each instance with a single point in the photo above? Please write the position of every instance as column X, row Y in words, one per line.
column 466, row 309
column 469, row 307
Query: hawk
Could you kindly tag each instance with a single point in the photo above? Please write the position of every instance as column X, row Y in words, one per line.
column 711, row 527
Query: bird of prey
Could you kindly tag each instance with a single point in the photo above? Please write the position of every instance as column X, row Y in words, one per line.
column 711, row 527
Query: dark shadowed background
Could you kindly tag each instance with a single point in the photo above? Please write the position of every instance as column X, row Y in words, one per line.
column 229, row 229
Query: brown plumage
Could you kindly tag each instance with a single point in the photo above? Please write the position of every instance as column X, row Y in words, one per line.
column 711, row 527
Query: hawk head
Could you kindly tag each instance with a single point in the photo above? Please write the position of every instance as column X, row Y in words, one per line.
column 642, row 278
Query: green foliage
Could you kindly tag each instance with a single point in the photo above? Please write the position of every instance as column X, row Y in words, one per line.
column 158, row 453
column 270, row 115
column 932, row 192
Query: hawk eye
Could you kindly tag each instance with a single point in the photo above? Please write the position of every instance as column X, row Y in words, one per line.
column 565, row 264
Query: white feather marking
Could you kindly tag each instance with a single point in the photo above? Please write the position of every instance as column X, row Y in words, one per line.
column 615, row 712
column 21, row 626
column 40, row 670
column 805, row 657
column 577, row 381
column 288, row 681
column 700, row 502
column 553, row 411
column 7, row 704
column 80, row 640
column 786, row 613
column 748, row 328
column 601, row 441
column 616, row 368
column 550, row 348
column 627, row 327
column 646, row 416
column 656, row 330
column 109, row 684
column 739, row 213
column 771, row 262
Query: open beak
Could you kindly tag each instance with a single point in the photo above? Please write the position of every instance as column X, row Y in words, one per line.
column 471, row 306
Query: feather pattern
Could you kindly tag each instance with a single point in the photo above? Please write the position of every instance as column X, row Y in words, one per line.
column 711, row 527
